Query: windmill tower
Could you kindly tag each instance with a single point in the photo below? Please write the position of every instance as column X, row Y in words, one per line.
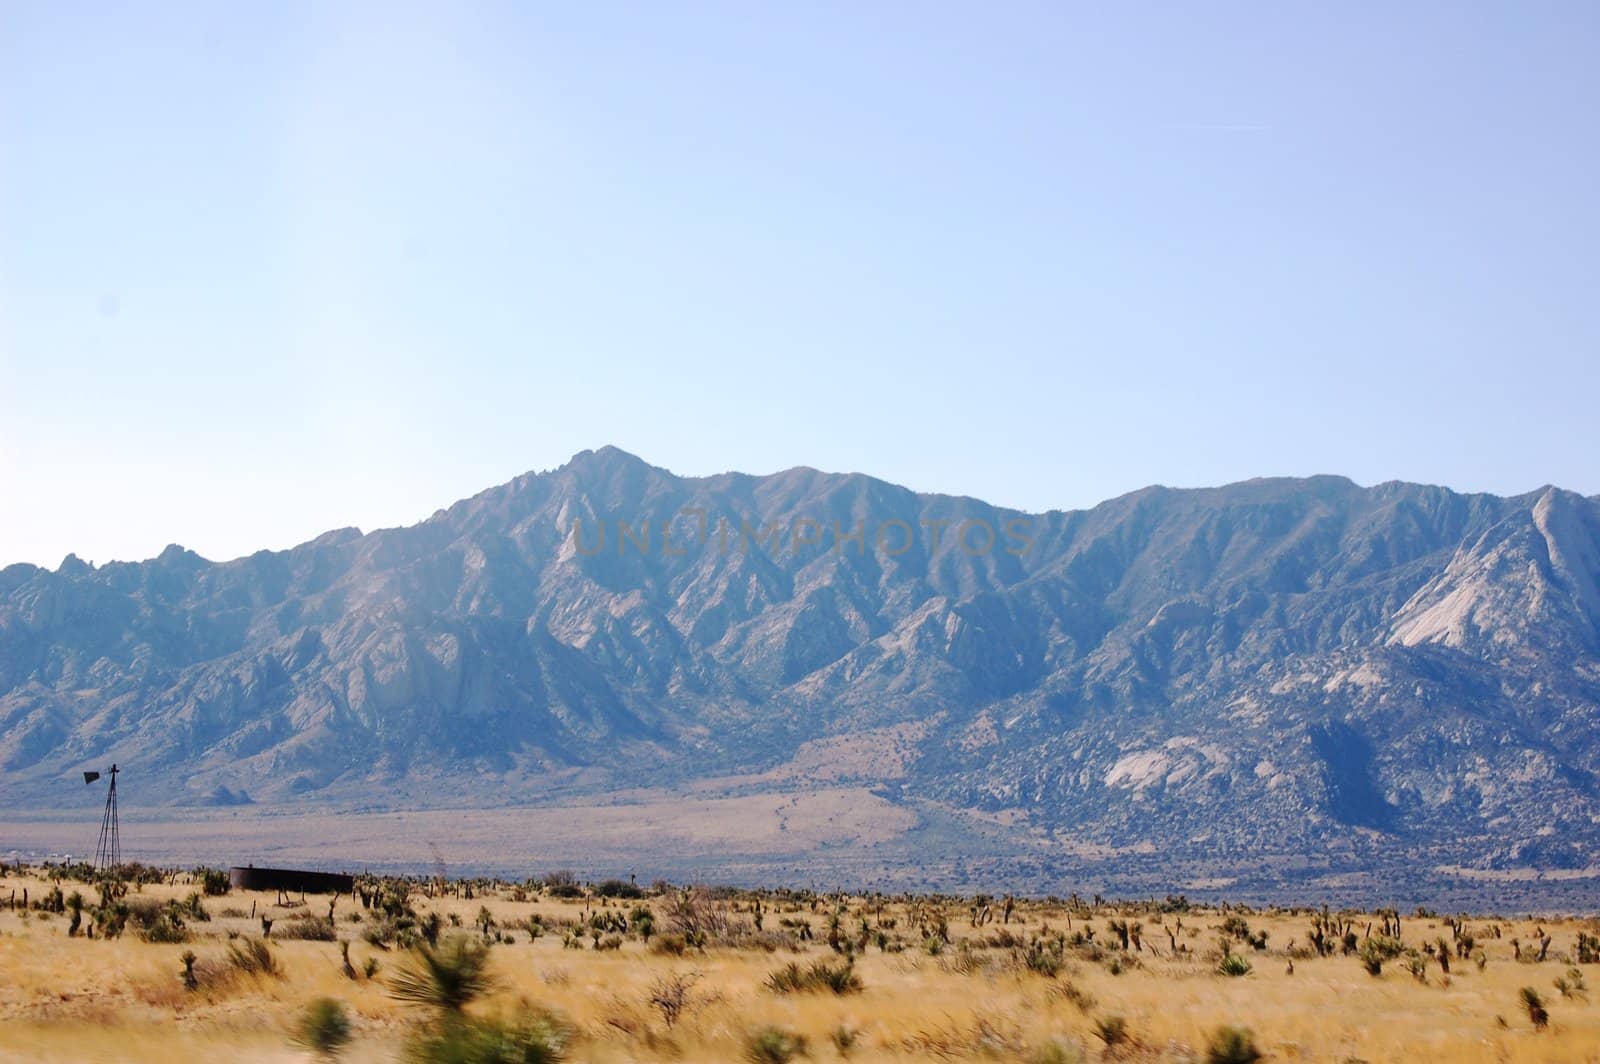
column 108, row 852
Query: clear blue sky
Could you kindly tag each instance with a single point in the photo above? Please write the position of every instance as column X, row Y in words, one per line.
column 271, row 269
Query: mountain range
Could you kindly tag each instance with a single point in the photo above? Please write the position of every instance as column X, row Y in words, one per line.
column 1280, row 666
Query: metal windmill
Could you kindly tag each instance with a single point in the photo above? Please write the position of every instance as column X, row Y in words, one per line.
column 108, row 853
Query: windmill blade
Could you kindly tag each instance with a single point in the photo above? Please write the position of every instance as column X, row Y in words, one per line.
column 90, row 777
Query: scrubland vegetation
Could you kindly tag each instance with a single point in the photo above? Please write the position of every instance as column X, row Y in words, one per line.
column 167, row 965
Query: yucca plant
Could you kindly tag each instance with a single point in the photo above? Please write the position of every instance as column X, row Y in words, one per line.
column 323, row 1028
column 773, row 1045
column 1232, row 1045
column 1233, row 965
column 447, row 977
column 820, row 976
column 252, row 956
column 1538, row 1015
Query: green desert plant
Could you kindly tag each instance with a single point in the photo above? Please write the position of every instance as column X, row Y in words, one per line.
column 252, row 956
column 844, row 1038
column 447, row 977
column 1233, row 965
column 773, row 1045
column 1232, row 1045
column 1043, row 959
column 818, row 977
column 1538, row 1015
column 323, row 1028
column 1414, row 963
column 537, row 1037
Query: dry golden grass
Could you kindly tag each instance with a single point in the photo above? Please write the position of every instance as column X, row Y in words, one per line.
column 72, row 999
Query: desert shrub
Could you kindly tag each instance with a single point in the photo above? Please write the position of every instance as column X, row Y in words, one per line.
column 672, row 995
column 1572, row 984
column 1056, row 1051
column 817, row 977
column 773, row 1045
column 167, row 929
column 110, row 919
column 1233, row 965
column 1043, row 960
column 1538, row 1015
column 309, row 929
column 1079, row 998
column 75, row 907
column 562, row 884
column 844, row 1038
column 143, row 912
column 252, row 956
column 1232, row 1045
column 323, row 1028
column 52, row 902
column 1385, row 946
column 693, row 912
column 157, row 922
column 674, row 945
column 402, row 931
column 213, row 881
column 618, row 888
column 1112, row 1030
column 536, row 1037
column 191, row 908
column 1414, row 963
column 447, row 977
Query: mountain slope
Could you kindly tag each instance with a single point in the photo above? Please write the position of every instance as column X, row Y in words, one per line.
column 1272, row 665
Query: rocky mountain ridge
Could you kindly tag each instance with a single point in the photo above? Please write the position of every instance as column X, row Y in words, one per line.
column 1271, row 666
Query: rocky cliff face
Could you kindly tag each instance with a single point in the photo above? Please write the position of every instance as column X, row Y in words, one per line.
column 1269, row 665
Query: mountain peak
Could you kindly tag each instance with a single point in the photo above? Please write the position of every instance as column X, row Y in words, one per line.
column 1256, row 664
column 606, row 458
column 72, row 565
column 177, row 556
